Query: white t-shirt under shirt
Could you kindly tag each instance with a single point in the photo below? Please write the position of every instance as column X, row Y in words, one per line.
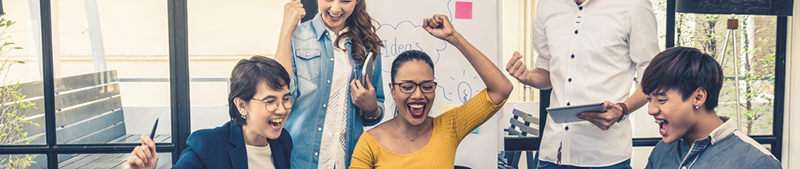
column 259, row 157
column 593, row 51
column 332, row 146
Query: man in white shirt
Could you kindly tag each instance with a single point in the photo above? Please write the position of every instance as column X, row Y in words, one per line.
column 589, row 52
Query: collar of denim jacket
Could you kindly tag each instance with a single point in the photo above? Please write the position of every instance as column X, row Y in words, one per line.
column 318, row 26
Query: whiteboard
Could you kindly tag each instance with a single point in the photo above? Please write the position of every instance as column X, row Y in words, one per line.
column 401, row 30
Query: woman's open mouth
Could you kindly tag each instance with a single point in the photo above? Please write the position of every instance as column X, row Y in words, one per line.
column 276, row 124
column 335, row 18
column 416, row 109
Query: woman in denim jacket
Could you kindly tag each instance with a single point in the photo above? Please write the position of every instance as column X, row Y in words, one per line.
column 324, row 56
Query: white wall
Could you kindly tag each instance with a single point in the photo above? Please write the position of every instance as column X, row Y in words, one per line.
column 517, row 36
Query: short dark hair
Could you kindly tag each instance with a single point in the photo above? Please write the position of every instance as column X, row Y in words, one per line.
column 247, row 75
column 685, row 70
column 409, row 56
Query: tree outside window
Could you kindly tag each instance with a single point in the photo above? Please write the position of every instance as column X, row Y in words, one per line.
column 755, row 48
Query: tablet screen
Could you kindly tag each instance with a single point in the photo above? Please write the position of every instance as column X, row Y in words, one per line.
column 568, row 114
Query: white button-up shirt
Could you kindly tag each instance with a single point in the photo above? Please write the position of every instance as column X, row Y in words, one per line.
column 332, row 147
column 592, row 51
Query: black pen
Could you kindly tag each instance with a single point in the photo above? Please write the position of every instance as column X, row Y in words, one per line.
column 153, row 133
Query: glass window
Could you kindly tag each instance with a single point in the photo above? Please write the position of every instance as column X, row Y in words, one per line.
column 23, row 160
column 221, row 33
column 660, row 10
column 22, row 97
column 754, row 53
column 102, row 160
column 111, row 69
column 755, row 42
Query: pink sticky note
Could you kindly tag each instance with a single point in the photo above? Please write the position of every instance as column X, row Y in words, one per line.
column 463, row 10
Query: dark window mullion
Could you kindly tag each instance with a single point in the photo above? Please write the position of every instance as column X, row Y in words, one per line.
column 47, row 78
column 179, row 75
column 780, row 77
column 110, row 148
column 670, row 35
column 11, row 149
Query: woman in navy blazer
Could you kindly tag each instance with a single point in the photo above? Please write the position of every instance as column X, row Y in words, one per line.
column 259, row 102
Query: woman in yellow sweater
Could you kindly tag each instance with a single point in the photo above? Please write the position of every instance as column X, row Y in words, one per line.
column 412, row 139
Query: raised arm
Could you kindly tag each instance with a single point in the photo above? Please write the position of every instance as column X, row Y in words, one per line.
column 293, row 12
column 497, row 85
column 538, row 78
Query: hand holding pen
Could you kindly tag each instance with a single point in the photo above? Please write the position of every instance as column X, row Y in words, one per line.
column 145, row 156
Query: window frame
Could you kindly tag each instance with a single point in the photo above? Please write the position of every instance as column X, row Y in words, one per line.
column 179, row 88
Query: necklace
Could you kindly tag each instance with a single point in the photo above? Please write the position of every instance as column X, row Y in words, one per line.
column 404, row 134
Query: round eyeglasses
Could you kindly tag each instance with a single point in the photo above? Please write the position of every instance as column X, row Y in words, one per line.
column 409, row 87
column 271, row 103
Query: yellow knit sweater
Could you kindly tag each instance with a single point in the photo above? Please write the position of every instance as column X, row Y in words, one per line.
column 449, row 129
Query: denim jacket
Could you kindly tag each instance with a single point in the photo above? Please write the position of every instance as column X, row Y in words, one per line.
column 725, row 147
column 312, row 71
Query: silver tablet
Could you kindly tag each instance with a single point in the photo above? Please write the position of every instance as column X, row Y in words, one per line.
column 569, row 114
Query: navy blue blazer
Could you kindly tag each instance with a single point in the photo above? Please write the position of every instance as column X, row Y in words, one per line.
column 223, row 147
